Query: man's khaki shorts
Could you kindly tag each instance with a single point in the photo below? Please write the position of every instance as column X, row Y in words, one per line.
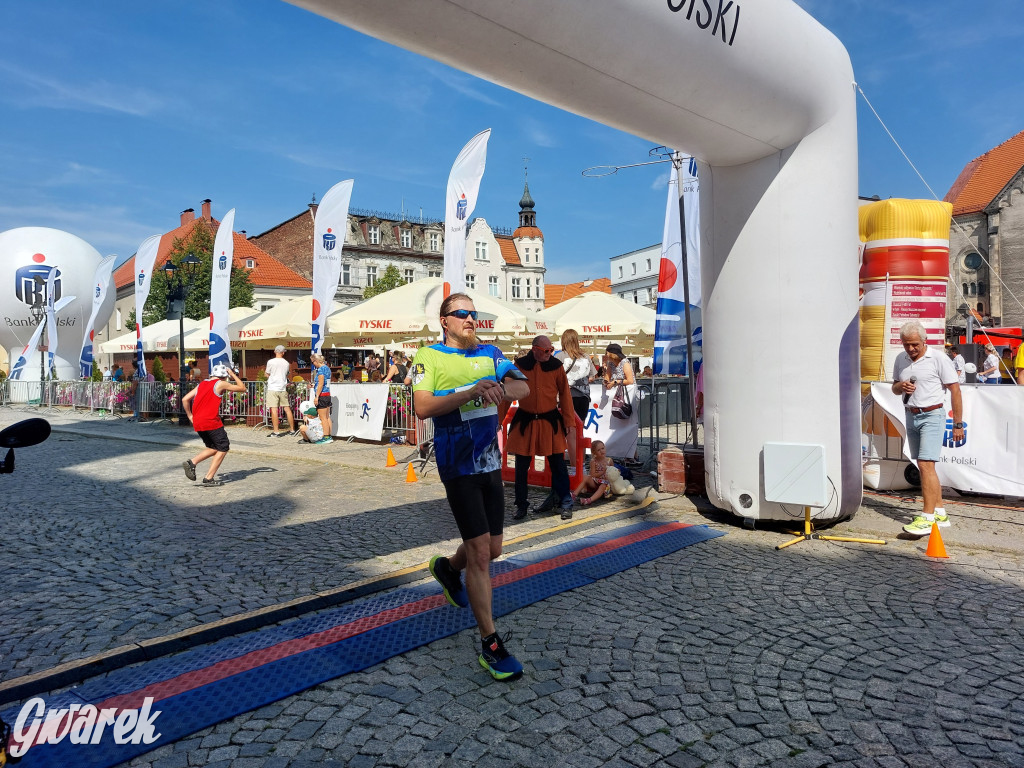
column 277, row 399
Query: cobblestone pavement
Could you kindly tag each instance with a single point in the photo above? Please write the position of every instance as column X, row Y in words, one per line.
column 726, row 653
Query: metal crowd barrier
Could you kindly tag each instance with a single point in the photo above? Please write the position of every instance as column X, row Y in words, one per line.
column 663, row 408
column 399, row 418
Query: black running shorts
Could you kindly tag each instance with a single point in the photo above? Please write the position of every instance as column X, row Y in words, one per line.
column 216, row 439
column 324, row 401
column 478, row 504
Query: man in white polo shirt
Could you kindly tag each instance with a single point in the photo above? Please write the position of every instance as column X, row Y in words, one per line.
column 277, row 391
column 921, row 374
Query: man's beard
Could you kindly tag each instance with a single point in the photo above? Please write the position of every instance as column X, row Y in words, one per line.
column 466, row 338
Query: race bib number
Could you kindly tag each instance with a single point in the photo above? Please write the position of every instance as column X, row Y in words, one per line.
column 476, row 408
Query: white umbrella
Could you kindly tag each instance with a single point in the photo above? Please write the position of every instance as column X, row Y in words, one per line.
column 159, row 337
column 596, row 315
column 291, row 320
column 410, row 312
column 198, row 338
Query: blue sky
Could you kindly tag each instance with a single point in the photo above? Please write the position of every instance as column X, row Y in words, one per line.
column 115, row 116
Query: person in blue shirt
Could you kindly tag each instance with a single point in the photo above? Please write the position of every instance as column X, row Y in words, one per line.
column 460, row 384
column 320, row 380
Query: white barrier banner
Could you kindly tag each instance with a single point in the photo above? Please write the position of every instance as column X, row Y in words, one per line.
column 619, row 435
column 989, row 459
column 359, row 410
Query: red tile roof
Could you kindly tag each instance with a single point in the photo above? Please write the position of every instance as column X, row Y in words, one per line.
column 508, row 249
column 268, row 272
column 984, row 178
column 528, row 232
column 556, row 294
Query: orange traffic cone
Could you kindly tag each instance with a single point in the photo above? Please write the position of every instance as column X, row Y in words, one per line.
column 410, row 475
column 391, row 459
column 935, row 546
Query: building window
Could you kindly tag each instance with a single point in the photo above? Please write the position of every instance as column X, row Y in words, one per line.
column 492, row 285
column 540, row 294
column 636, row 299
column 406, row 238
column 528, row 294
column 371, row 275
column 117, row 324
column 250, row 263
column 620, row 271
column 373, row 234
column 652, row 295
column 965, row 289
column 516, row 290
column 434, row 273
column 409, row 275
column 648, row 265
column 471, row 281
column 265, row 307
column 526, row 255
column 346, row 274
column 972, row 260
column 634, row 267
column 981, row 289
column 433, row 241
column 481, row 251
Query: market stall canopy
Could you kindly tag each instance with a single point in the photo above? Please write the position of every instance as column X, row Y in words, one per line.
column 159, row 337
column 594, row 315
column 289, row 323
column 410, row 313
column 198, row 339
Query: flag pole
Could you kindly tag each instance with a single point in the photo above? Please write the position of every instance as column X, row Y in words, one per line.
column 677, row 163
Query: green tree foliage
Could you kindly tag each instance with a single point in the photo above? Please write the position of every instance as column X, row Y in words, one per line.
column 97, row 374
column 158, row 371
column 391, row 278
column 197, row 305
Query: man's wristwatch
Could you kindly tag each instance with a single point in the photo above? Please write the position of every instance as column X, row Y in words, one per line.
column 958, row 425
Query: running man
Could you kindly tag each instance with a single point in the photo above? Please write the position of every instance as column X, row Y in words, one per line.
column 205, row 417
column 459, row 384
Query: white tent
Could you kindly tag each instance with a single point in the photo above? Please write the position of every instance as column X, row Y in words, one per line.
column 159, row 337
column 410, row 312
column 594, row 314
column 289, row 321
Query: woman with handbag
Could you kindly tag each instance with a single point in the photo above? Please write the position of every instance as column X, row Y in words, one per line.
column 617, row 369
column 580, row 371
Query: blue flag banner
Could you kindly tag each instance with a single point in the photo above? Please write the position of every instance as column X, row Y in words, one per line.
column 670, row 328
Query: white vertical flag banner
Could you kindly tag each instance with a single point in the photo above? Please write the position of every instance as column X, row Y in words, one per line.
column 670, row 327
column 220, row 291
column 144, row 259
column 329, row 228
column 19, row 366
column 101, row 282
column 463, row 187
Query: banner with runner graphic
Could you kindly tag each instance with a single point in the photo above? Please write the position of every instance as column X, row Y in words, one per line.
column 989, row 459
column 359, row 410
column 144, row 259
column 220, row 291
column 102, row 281
column 463, row 186
column 619, row 435
column 329, row 228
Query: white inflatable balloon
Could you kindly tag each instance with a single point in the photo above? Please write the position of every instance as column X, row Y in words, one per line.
column 30, row 251
column 765, row 99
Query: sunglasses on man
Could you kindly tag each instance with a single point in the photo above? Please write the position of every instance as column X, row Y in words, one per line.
column 462, row 314
column 549, row 350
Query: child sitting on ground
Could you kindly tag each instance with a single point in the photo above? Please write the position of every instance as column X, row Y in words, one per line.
column 313, row 430
column 594, row 483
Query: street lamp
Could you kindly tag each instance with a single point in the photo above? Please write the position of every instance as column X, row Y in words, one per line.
column 965, row 312
column 180, row 278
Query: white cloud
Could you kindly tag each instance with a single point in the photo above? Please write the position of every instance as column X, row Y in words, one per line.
column 37, row 90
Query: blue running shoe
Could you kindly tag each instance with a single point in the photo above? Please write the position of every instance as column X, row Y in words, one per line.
column 500, row 663
column 450, row 581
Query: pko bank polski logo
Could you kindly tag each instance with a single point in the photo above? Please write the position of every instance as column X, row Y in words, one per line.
column 222, row 262
column 947, row 435
column 461, row 207
column 329, row 240
column 81, row 724
column 142, row 276
column 32, row 291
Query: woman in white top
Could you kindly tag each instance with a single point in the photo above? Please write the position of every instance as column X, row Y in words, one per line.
column 989, row 373
column 580, row 371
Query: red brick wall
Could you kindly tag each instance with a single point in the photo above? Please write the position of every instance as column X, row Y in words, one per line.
column 292, row 244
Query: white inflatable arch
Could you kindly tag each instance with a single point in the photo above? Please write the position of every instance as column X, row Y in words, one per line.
column 763, row 95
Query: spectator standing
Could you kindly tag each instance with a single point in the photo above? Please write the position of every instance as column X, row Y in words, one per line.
column 277, row 392
column 398, row 370
column 920, row 375
column 106, row 374
column 1006, row 367
column 459, row 384
column 540, row 426
column 117, row 374
column 580, row 371
column 202, row 407
column 372, row 364
column 617, row 368
column 989, row 373
column 320, row 381
column 958, row 363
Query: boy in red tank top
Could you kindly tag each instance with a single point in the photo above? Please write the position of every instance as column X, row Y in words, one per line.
column 202, row 406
